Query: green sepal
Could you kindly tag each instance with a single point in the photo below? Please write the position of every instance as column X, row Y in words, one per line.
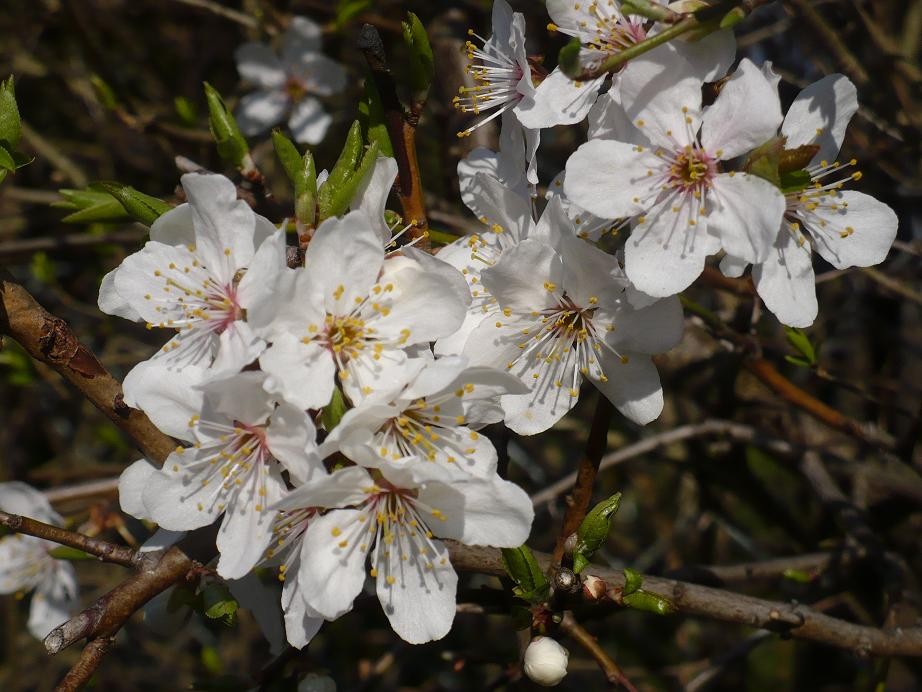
column 185, row 110
column 799, row 340
column 302, row 174
column 333, row 412
column 7, row 162
column 732, row 18
column 371, row 116
column 65, row 552
column 421, row 62
column 644, row 600
column 232, row 147
column 218, row 603
column 797, row 158
column 531, row 583
column 348, row 159
column 633, row 580
column 593, row 531
column 763, row 161
column 568, row 59
column 795, row 181
column 343, row 194
column 140, row 207
column 90, row 206
column 10, row 123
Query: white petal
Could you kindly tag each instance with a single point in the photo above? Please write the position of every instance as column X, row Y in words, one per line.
column 291, row 437
column 420, row 603
column 131, row 485
column 166, row 395
column 747, row 113
column 710, row 57
column 786, row 283
column 495, row 203
column 301, row 623
column 261, row 110
column 607, row 120
column 302, row 36
column 820, row 115
column 652, row 329
column 372, row 193
column 341, row 488
column 54, row 601
column 258, row 64
column 178, row 505
column 20, row 498
column 558, row 100
column 238, row 398
column 873, row 225
column 609, row 178
column 303, row 374
column 633, row 387
column 258, row 283
column 174, row 227
column 111, row 302
column 344, row 252
column 481, row 512
column 224, row 225
column 319, row 74
column 733, row 266
column 746, row 212
column 161, row 539
column 246, row 531
column 664, row 254
column 308, row 121
column 526, row 277
column 238, row 346
column 332, row 576
column 262, row 600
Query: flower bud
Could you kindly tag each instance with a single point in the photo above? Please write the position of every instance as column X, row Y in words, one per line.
column 545, row 661
column 594, row 589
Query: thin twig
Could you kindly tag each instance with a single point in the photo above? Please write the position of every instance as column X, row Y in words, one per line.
column 81, row 672
column 225, row 12
column 581, row 636
column 105, row 486
column 401, row 127
column 585, row 476
column 104, row 550
column 790, row 619
column 48, row 339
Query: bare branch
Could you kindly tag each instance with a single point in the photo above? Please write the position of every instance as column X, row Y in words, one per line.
column 104, row 550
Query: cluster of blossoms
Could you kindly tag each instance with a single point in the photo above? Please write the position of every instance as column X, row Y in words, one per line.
column 502, row 325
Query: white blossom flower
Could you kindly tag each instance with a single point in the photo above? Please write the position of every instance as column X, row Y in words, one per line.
column 350, row 315
column 430, row 425
column 668, row 178
column 562, row 315
column 395, row 519
column 241, row 439
column 25, row 563
column 206, row 262
column 603, row 31
column 846, row 228
column 287, row 82
column 545, row 661
column 502, row 78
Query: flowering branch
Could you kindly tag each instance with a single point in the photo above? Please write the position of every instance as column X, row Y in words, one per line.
column 581, row 636
column 794, row 620
column 48, row 339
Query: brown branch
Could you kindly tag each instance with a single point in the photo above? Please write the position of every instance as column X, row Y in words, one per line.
column 107, row 615
column 104, row 550
column 104, row 486
column 48, row 339
column 790, row 619
column 578, row 502
column 401, row 127
column 81, row 672
column 581, row 636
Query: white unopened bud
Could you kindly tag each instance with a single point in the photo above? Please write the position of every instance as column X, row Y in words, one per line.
column 545, row 661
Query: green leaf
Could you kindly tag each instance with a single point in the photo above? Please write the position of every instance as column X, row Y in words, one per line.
column 763, row 161
column 65, row 552
column 568, row 59
column 334, row 411
column 10, row 124
column 232, row 147
column 794, row 181
column 90, row 206
column 371, row 116
column 104, row 92
column 421, row 63
column 347, row 160
column 7, row 162
column 531, row 582
column 218, row 604
column 798, row 361
column 139, row 206
column 186, row 110
column 633, row 580
column 644, row 600
column 593, row 531
column 801, row 343
column 732, row 18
